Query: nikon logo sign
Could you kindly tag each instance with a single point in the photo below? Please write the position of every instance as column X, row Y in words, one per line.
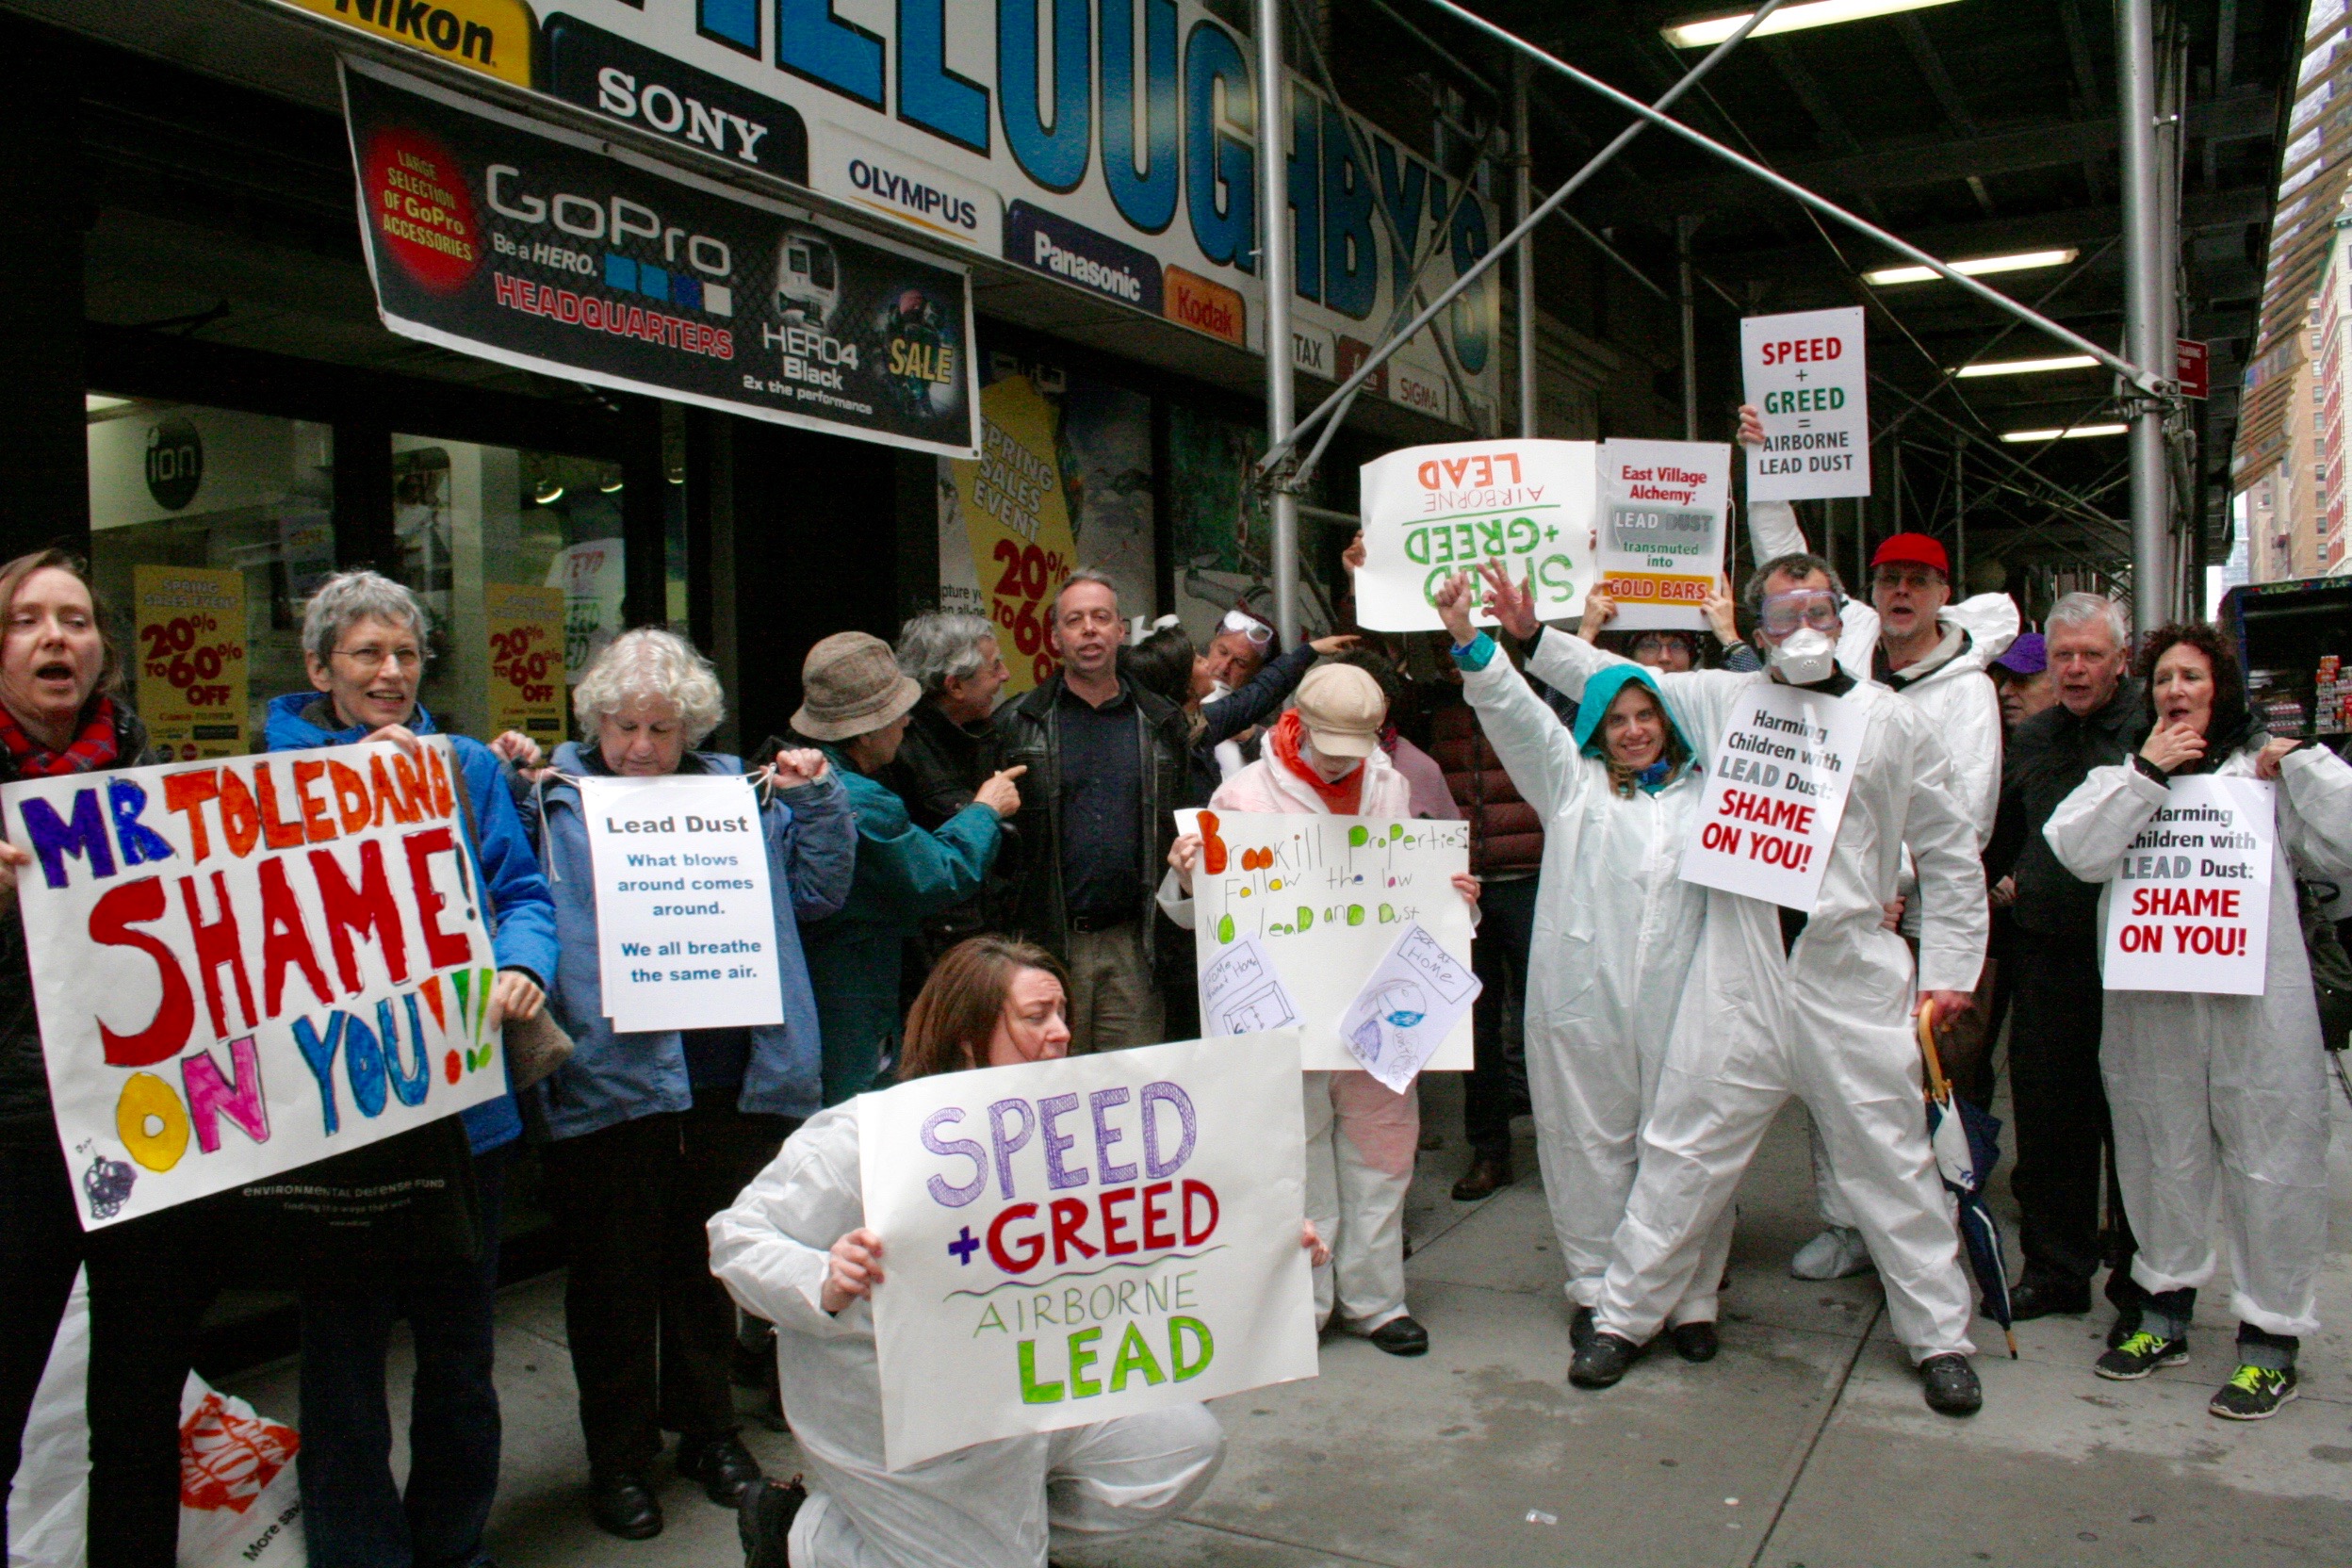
column 492, row 36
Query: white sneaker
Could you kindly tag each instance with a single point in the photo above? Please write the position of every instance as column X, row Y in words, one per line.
column 1836, row 1253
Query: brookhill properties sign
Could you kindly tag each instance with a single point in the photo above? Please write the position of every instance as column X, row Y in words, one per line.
column 1072, row 1240
column 242, row 967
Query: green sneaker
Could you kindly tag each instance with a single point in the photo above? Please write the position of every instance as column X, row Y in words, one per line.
column 2253, row 1394
column 2141, row 1353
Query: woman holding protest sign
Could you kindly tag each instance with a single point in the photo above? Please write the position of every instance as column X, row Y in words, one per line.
column 60, row 714
column 1324, row 756
column 1615, row 931
column 794, row 1249
column 2208, row 1089
column 652, row 1132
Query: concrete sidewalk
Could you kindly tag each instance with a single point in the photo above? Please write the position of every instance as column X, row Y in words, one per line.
column 1803, row 1446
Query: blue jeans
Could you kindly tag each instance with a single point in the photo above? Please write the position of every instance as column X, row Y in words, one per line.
column 354, row 1516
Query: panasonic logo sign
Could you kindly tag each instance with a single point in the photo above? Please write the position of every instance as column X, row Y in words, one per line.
column 914, row 196
column 1051, row 257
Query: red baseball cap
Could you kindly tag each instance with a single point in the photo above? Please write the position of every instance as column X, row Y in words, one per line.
column 1920, row 550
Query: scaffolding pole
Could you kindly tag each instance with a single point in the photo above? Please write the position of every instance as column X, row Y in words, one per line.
column 1274, row 271
column 1683, row 225
column 1523, row 258
column 2146, row 309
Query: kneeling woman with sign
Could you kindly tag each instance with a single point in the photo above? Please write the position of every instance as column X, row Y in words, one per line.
column 651, row 1131
column 2212, row 1056
column 1615, row 930
column 794, row 1249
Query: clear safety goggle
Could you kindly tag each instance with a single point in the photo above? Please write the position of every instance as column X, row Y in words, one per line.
column 1248, row 625
column 1818, row 608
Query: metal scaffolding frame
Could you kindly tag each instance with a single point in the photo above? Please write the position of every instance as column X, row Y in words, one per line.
column 2143, row 371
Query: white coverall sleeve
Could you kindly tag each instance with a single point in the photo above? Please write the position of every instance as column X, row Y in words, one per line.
column 1991, row 620
column 1971, row 733
column 2093, row 826
column 1538, row 751
column 1175, row 902
column 1955, row 920
column 2317, row 786
column 770, row 1248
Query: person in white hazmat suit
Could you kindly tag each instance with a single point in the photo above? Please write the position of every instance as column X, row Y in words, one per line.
column 2211, row 1091
column 1615, row 931
column 1913, row 639
column 794, row 1249
column 1324, row 756
column 1814, row 1004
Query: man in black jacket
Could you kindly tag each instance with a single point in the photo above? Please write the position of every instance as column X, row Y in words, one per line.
column 2060, row 1100
column 1106, row 766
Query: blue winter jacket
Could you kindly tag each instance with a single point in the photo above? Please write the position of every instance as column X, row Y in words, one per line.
column 812, row 856
column 519, row 903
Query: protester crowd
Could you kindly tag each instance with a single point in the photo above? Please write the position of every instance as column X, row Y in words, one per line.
column 961, row 880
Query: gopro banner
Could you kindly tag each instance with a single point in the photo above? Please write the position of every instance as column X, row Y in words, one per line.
column 515, row 242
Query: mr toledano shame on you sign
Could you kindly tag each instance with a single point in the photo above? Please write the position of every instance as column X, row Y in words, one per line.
column 538, row 247
column 245, row 965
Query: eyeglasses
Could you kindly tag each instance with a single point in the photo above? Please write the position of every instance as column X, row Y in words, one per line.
column 1248, row 625
column 1917, row 579
column 374, row 657
column 1814, row 607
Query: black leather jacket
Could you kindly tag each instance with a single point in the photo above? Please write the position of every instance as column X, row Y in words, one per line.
column 2051, row 754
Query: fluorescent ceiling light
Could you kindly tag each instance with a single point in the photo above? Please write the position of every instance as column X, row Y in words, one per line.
column 1789, row 19
column 1975, row 267
column 98, row 403
column 2025, row 366
column 2076, row 433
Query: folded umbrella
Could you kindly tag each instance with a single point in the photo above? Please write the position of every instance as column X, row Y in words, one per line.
column 1967, row 1140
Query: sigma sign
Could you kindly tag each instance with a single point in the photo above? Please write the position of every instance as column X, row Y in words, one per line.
column 1137, row 130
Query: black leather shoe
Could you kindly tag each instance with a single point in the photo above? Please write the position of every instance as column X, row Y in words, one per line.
column 723, row 1465
column 1951, row 1386
column 1487, row 1172
column 1602, row 1361
column 2044, row 1298
column 1401, row 1337
column 623, row 1506
column 764, row 1521
column 1580, row 1328
column 1694, row 1341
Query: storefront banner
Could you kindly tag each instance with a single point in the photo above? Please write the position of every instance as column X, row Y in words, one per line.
column 2190, row 908
column 1016, row 523
column 1775, row 794
column 1321, row 900
column 1430, row 512
column 1663, row 506
column 685, row 920
column 191, row 626
column 526, row 685
column 1809, row 374
column 1069, row 1241
column 245, row 966
column 534, row 247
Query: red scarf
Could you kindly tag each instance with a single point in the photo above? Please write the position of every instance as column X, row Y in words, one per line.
column 92, row 749
column 1343, row 799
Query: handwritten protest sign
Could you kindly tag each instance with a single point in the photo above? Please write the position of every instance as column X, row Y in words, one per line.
column 1074, row 1240
column 685, row 920
column 246, row 965
column 527, row 688
column 191, row 659
column 1324, row 898
column 1241, row 994
column 1430, row 512
column 1662, row 529
column 2190, row 909
column 1415, row 998
column 1807, row 374
column 1775, row 793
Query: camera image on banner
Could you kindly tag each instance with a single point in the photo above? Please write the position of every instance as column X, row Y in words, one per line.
column 245, row 965
column 1074, row 1240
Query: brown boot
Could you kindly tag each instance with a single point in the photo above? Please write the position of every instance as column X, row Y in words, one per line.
column 1486, row 1173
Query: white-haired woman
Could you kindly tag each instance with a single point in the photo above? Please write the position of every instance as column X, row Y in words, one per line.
column 652, row 1133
